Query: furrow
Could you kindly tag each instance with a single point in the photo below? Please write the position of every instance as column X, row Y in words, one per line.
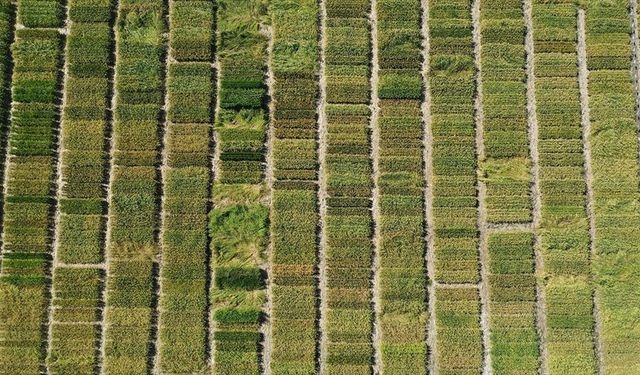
column 8, row 24
column 583, row 79
column 483, row 250
column 375, row 190
column 267, row 327
column 532, row 120
column 431, row 359
column 322, row 193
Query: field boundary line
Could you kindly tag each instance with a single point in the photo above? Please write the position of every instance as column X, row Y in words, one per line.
column 427, row 141
column 214, row 156
column 583, row 79
column 375, row 191
column 109, row 195
column 266, row 327
column 322, row 189
column 57, row 184
column 208, row 284
column 5, row 132
column 635, row 64
column 532, row 122
column 109, row 146
column 483, row 287
column 161, row 171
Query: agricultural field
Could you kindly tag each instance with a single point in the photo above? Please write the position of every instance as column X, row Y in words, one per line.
column 331, row 187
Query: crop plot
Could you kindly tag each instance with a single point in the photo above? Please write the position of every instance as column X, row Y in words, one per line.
column 333, row 187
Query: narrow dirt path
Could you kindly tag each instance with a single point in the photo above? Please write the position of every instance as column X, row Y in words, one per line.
column 156, row 307
column 7, row 125
column 214, row 154
column 483, row 287
column 109, row 195
column 109, row 151
column 322, row 190
column 583, row 79
column 635, row 63
column 266, row 326
column 58, row 185
column 541, row 323
column 428, row 193
column 375, row 192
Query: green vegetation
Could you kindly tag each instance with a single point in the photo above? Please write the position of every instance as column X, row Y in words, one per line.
column 75, row 311
column 564, row 236
column 512, row 297
column 452, row 78
column 183, row 275
column 133, row 207
column 294, row 218
column 615, row 182
column 83, row 135
column 504, row 103
column 402, row 275
column 459, row 340
column 152, row 238
column 40, row 13
column 239, row 220
column 28, row 204
column 348, row 173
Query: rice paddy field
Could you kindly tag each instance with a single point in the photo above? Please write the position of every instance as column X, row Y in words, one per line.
column 332, row 187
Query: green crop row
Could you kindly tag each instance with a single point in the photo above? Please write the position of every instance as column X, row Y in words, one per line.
column 459, row 339
column 512, row 298
column 454, row 162
column 74, row 336
column 564, row 236
column 76, row 292
column 83, row 137
column 241, row 120
column 506, row 169
column 37, row 58
column 348, row 231
column 191, row 31
column 133, row 207
column 613, row 141
column 452, row 79
column 401, row 181
column 6, row 27
column 240, row 219
column 40, row 13
column 294, row 207
column 183, row 276
column 238, row 227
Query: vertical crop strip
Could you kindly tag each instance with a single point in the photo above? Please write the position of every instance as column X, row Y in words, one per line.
column 506, row 169
column 183, row 275
column 29, row 204
column 401, row 182
column 133, row 208
column 452, row 79
column 239, row 220
column 76, row 290
column 506, row 172
column 294, row 217
column 348, row 166
column 564, row 228
column 7, row 29
column 512, row 295
column 613, row 142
